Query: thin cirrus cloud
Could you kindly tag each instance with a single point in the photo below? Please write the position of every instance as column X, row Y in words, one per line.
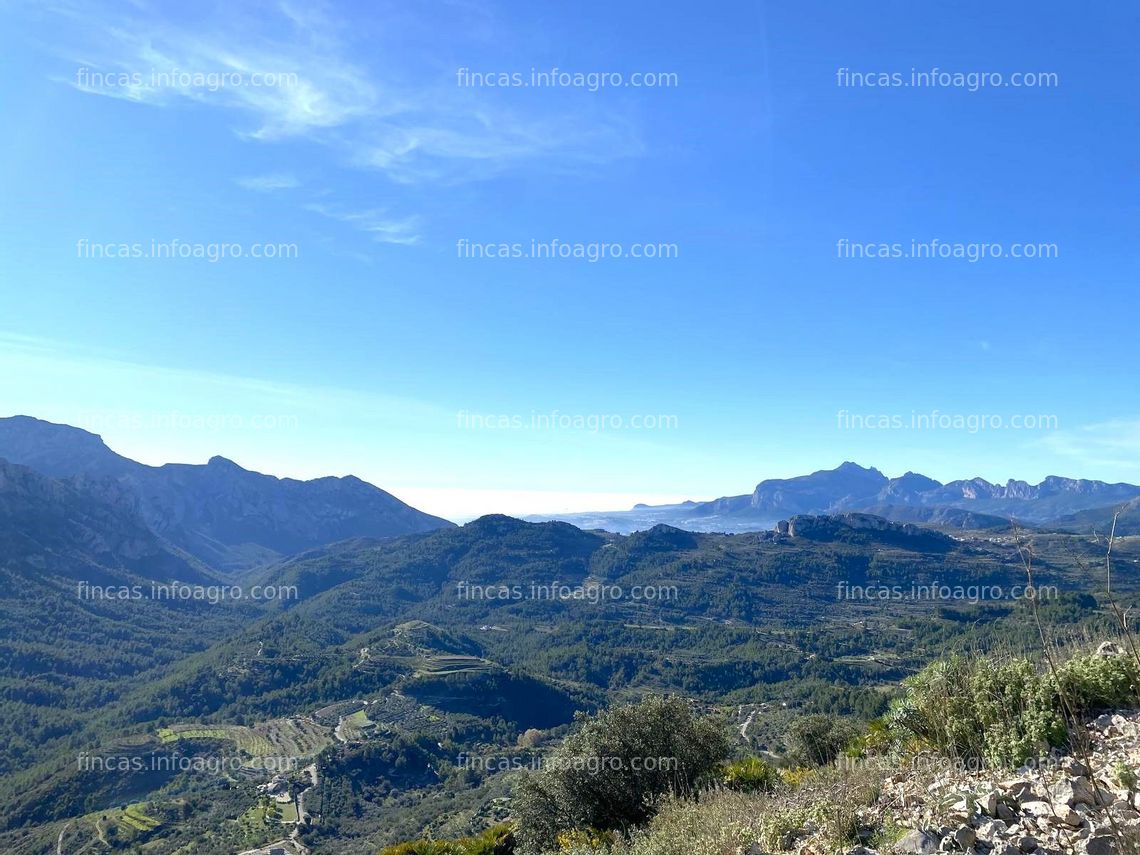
column 1114, row 443
column 269, row 183
column 314, row 85
column 371, row 103
column 484, row 143
column 376, row 223
column 281, row 70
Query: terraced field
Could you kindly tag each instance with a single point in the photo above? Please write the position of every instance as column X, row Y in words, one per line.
column 280, row 739
column 354, row 727
column 134, row 817
column 396, row 712
column 190, row 731
column 333, row 713
column 104, row 830
column 451, row 664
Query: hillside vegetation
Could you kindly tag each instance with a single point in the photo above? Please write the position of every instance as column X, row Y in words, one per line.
column 975, row 754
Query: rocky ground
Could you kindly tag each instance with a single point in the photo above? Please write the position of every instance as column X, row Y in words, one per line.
column 1061, row 806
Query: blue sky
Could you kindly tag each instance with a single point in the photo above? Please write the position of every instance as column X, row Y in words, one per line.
column 376, row 348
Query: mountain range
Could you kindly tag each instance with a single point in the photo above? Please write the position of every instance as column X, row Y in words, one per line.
column 406, row 643
column 975, row 503
column 232, row 519
column 226, row 516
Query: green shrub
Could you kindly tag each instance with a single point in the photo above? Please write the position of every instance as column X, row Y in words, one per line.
column 1099, row 682
column 721, row 822
column 727, row 822
column 609, row 774
column 816, row 740
column 751, row 775
column 497, row 840
column 1006, row 712
column 877, row 739
column 586, row 840
column 1018, row 712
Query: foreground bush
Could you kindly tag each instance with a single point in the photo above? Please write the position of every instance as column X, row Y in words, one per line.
column 751, row 775
column 1095, row 683
column 1006, row 712
column 980, row 711
column 816, row 740
column 610, row 773
column 497, row 840
column 724, row 822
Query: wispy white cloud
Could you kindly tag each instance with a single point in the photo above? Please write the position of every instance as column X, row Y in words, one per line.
column 382, row 101
column 1114, row 443
column 484, row 144
column 269, row 183
column 291, row 86
column 377, row 223
column 297, row 71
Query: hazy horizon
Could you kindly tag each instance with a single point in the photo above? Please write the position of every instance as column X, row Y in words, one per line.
column 463, row 505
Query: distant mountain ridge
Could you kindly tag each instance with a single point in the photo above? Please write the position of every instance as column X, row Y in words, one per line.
column 226, row 516
column 971, row 503
column 51, row 528
column 1100, row 520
